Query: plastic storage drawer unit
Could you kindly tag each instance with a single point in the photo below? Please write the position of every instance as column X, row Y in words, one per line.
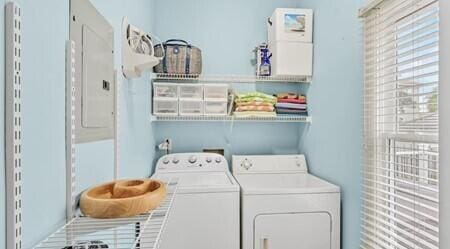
column 165, row 90
column 190, row 91
column 216, row 108
column 215, row 91
column 191, row 107
column 165, row 107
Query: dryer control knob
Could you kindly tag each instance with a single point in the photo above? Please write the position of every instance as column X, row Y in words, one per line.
column 192, row 159
column 218, row 159
column 175, row 160
column 166, row 160
column 246, row 164
column 208, row 159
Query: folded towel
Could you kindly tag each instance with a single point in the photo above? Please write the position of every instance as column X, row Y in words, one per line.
column 255, row 108
column 254, row 114
column 256, row 97
column 294, row 101
column 291, row 106
column 287, row 95
column 253, row 103
column 292, row 111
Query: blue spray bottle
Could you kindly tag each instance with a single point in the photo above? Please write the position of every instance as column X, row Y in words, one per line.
column 265, row 69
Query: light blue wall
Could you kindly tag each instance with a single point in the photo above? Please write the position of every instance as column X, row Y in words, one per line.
column 333, row 143
column 2, row 128
column 227, row 31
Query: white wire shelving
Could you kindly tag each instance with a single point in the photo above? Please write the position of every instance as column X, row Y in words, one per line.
column 189, row 78
column 142, row 231
column 278, row 119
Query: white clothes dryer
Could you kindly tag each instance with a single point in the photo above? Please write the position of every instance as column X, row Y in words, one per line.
column 284, row 207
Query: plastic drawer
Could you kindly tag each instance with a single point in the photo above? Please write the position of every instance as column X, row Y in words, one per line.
column 191, row 107
column 215, row 91
column 165, row 90
column 165, row 107
column 190, row 91
column 216, row 108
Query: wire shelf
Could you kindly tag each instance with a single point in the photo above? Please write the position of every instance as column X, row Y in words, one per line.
column 142, row 231
column 279, row 119
column 190, row 78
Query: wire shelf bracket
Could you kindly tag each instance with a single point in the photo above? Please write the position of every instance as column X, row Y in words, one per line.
column 13, row 125
column 70, row 131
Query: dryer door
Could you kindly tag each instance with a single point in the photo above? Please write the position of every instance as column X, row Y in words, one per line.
column 293, row 231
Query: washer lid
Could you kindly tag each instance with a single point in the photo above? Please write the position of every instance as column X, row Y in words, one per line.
column 300, row 183
column 202, row 181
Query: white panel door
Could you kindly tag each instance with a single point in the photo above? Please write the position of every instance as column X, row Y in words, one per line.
column 293, row 231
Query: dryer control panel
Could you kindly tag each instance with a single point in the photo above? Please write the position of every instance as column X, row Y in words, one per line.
column 192, row 162
column 269, row 164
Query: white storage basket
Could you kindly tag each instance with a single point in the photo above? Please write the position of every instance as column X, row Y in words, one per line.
column 216, row 108
column 190, row 91
column 216, row 91
column 165, row 107
column 165, row 90
column 191, row 108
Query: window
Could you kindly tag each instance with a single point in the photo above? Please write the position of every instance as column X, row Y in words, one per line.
column 401, row 90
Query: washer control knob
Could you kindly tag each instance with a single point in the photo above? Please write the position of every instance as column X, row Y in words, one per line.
column 192, row 159
column 208, row 159
column 175, row 160
column 218, row 159
column 166, row 160
column 246, row 164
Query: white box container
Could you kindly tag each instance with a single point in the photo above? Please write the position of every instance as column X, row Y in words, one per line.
column 294, row 25
column 165, row 90
column 216, row 108
column 190, row 91
column 292, row 58
column 216, row 91
column 191, row 107
column 165, row 107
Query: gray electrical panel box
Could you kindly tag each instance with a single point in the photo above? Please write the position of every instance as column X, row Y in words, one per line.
column 95, row 75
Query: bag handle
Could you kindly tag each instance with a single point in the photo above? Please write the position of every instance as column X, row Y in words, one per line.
column 176, row 42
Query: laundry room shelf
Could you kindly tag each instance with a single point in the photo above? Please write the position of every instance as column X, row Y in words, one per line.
column 142, row 231
column 279, row 119
column 189, row 78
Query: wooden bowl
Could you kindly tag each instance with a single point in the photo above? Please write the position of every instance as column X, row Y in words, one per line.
column 123, row 198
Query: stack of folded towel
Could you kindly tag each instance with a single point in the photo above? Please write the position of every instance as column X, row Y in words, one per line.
column 255, row 104
column 290, row 103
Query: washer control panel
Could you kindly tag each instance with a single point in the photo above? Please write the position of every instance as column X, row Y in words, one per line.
column 192, row 162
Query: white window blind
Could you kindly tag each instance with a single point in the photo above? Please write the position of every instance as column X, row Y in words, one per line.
column 400, row 207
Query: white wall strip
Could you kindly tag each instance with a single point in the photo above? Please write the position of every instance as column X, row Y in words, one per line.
column 13, row 125
column 117, row 126
column 70, row 131
column 444, row 137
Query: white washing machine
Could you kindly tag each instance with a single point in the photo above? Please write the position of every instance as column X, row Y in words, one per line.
column 205, row 212
column 284, row 207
